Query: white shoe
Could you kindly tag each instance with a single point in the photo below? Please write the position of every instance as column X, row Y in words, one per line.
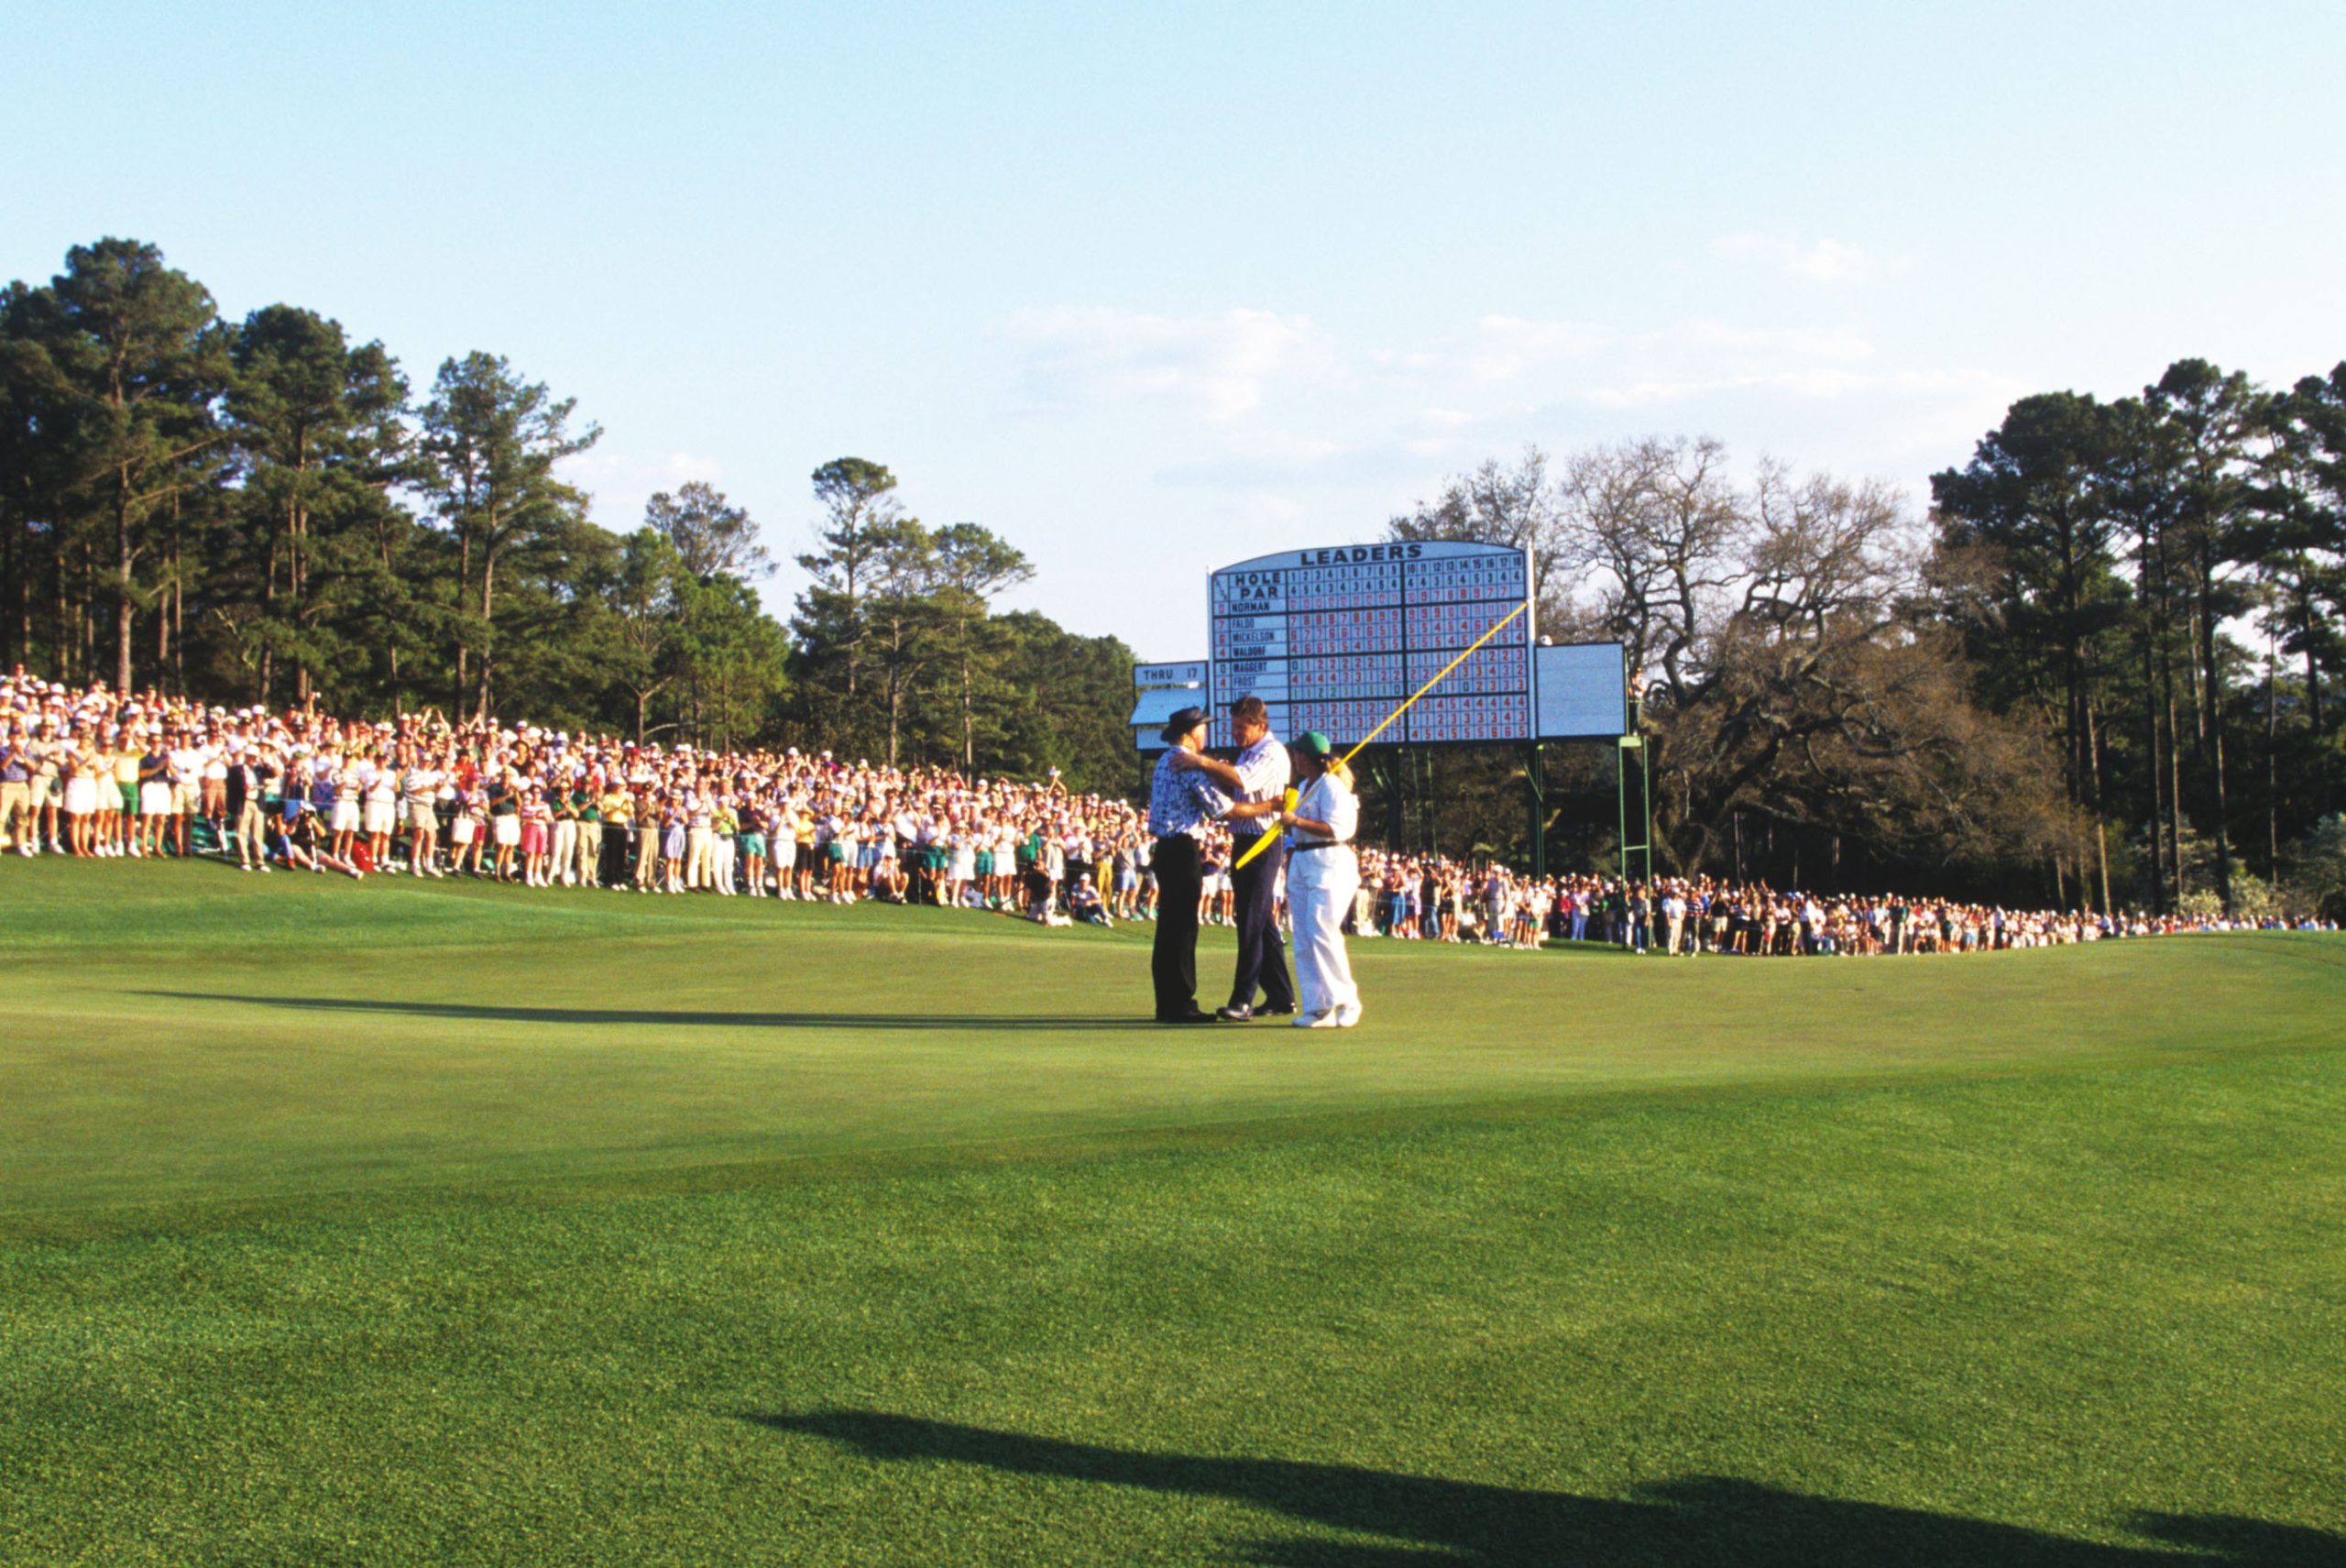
column 1316, row 1021
column 1344, row 1018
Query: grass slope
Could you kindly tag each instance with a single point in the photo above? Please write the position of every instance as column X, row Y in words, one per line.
column 432, row 1224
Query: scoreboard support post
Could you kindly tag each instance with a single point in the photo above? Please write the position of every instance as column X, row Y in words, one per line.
column 1535, row 786
column 1398, row 817
column 1643, row 847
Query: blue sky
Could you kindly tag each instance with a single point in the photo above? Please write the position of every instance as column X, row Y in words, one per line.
column 1147, row 293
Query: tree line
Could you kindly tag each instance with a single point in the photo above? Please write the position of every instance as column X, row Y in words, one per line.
column 2104, row 667
column 264, row 511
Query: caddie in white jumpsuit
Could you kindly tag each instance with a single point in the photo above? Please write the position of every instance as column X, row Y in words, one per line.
column 1322, row 877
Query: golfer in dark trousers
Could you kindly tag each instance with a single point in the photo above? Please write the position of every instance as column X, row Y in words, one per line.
column 1183, row 801
column 1258, row 781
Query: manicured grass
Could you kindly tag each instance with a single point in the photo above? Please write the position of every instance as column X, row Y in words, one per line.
column 442, row 1224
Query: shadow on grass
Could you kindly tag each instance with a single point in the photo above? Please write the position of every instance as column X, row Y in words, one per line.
column 663, row 1018
column 1694, row 1519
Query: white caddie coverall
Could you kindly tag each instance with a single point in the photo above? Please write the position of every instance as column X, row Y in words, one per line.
column 1319, row 887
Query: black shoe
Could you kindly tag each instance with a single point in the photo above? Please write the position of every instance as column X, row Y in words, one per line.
column 1195, row 1015
column 1236, row 1015
column 1284, row 1012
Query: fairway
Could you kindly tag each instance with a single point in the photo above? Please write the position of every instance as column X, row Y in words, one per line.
column 445, row 1224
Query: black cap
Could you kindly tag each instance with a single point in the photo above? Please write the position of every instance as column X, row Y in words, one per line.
column 1182, row 723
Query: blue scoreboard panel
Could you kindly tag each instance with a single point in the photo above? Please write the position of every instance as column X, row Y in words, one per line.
column 1334, row 639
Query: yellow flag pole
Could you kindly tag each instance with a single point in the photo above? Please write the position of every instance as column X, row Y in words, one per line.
column 1257, row 847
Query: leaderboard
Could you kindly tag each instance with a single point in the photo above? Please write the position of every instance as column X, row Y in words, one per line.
column 1332, row 639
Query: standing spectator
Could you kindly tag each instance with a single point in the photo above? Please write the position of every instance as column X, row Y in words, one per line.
column 504, row 787
column 18, row 824
column 380, row 810
column 585, row 864
column 562, row 847
column 537, row 837
column 423, row 781
column 724, row 831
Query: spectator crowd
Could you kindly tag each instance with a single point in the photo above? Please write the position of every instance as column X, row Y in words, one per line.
column 1429, row 898
column 89, row 773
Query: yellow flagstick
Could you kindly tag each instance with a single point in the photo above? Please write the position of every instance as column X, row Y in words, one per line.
column 1256, row 847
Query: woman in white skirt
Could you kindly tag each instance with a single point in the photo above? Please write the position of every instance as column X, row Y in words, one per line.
column 348, row 810
column 82, row 767
column 960, row 866
column 154, row 797
column 382, row 811
column 1322, row 876
column 465, row 823
column 782, row 846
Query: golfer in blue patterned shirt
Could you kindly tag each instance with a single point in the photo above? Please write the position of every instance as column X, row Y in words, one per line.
column 1181, row 801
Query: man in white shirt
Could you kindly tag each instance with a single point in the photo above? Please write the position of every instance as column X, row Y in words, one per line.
column 423, row 781
column 183, row 767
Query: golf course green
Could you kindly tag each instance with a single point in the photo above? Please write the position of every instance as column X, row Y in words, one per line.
column 446, row 1223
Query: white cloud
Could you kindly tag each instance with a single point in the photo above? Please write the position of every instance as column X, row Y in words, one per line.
column 1499, row 348
column 1506, row 347
column 1217, row 368
column 1977, row 389
column 1709, row 336
column 619, row 481
column 1819, row 261
column 1284, row 415
column 686, row 467
column 1561, row 358
column 1518, row 348
column 1250, row 455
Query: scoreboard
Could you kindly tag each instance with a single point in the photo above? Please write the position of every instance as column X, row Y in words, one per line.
column 1332, row 639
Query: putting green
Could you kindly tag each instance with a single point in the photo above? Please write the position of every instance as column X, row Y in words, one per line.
column 187, row 1039
column 451, row 1224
